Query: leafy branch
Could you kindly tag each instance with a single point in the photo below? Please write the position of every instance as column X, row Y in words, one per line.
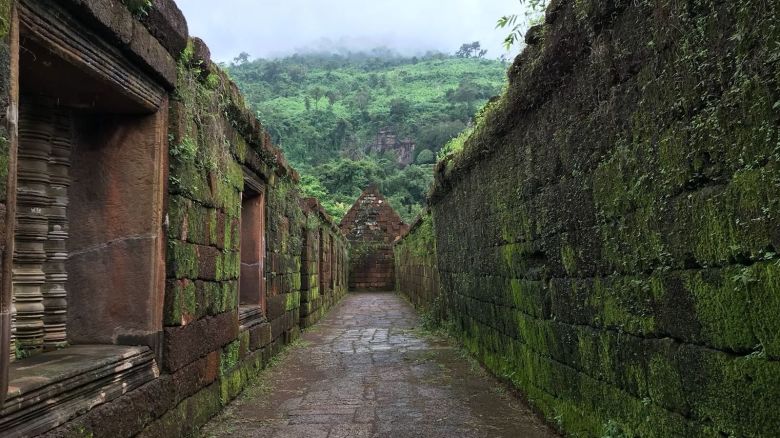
column 515, row 26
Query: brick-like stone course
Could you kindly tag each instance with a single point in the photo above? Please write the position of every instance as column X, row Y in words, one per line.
column 417, row 269
column 322, row 276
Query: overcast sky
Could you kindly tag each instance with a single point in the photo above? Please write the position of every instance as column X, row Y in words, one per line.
column 267, row 28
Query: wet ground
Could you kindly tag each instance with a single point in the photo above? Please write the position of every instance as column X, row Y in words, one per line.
column 367, row 370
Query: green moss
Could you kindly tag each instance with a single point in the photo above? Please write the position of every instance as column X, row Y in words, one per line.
column 228, row 265
column 173, row 305
column 723, row 309
column 625, row 304
column 738, row 221
column 177, row 216
column 181, row 303
column 665, row 384
column 528, row 296
column 182, row 260
column 229, row 357
column 213, row 224
column 293, row 301
column 197, row 221
column 190, row 301
column 764, row 297
column 679, row 319
column 516, row 258
column 568, row 259
column 228, row 232
column 5, row 17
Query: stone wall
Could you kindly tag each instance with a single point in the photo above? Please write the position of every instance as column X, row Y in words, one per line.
column 371, row 226
column 317, row 293
column 416, row 267
column 214, row 154
column 608, row 238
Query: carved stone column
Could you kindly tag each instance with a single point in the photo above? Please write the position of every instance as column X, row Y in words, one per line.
column 32, row 227
column 55, row 297
column 13, row 331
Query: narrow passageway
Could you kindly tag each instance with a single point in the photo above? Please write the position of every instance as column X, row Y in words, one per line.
column 366, row 370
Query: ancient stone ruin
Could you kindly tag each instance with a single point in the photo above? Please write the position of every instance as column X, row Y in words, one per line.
column 606, row 242
column 371, row 226
column 155, row 250
column 388, row 141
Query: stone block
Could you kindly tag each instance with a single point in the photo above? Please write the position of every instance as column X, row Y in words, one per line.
column 167, row 24
column 184, row 345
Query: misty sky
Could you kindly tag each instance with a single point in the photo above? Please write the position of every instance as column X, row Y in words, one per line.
column 267, row 28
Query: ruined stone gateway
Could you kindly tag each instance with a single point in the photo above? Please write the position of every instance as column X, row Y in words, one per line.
column 372, row 226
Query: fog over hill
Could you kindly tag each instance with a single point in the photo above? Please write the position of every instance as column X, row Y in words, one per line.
column 411, row 27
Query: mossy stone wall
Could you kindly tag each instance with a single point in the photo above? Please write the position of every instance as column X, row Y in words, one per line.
column 416, row 267
column 204, row 204
column 607, row 241
column 214, row 146
column 321, row 290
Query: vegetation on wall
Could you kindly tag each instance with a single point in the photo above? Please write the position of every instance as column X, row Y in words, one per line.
column 324, row 109
column 139, row 8
column 608, row 235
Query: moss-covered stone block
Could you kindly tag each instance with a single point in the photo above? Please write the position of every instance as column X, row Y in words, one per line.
column 182, row 260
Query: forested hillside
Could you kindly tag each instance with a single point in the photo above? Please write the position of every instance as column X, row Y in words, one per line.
column 325, row 110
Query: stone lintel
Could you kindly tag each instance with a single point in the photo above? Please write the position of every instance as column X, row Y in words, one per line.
column 112, row 19
column 63, row 35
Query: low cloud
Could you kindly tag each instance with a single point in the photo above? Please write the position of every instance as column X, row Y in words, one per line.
column 270, row 28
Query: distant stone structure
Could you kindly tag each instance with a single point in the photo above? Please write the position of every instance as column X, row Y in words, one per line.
column 386, row 140
column 371, row 227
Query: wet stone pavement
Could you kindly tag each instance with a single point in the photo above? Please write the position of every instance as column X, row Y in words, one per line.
column 366, row 371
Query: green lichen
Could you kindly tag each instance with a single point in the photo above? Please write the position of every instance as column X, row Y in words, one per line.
column 568, row 259
column 292, row 301
column 5, row 17
column 229, row 357
column 182, row 260
column 623, row 303
column 723, row 308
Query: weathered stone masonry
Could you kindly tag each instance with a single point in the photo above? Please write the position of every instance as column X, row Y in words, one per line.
column 608, row 239
column 416, row 267
column 372, row 226
column 320, row 236
column 160, row 238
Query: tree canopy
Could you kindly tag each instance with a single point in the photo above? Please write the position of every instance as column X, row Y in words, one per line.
column 324, row 109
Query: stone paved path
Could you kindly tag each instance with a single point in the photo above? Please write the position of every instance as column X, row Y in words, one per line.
column 364, row 371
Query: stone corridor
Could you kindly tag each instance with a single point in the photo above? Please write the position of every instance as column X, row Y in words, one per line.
column 366, row 370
